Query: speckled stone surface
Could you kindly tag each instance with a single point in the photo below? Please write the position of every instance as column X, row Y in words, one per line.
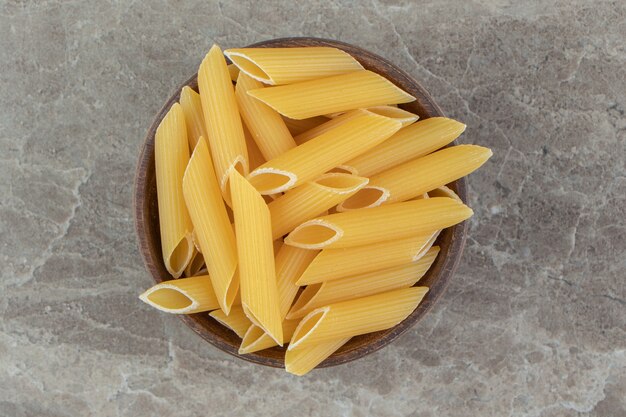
column 534, row 321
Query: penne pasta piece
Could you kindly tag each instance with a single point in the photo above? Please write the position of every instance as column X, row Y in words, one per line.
column 257, row 271
column 444, row 191
column 290, row 264
column 211, row 224
column 192, row 108
column 233, row 71
column 171, row 154
column 411, row 142
column 255, row 157
column 256, row 339
column 309, row 160
column 222, row 120
column 196, row 263
column 355, row 317
column 392, row 221
column 236, row 320
column 425, row 196
column 182, row 296
column 290, row 65
column 418, row 176
column 333, row 264
column 308, row 200
column 266, row 126
column 300, row 361
column 297, row 127
column 196, row 243
column 332, row 94
column 330, row 292
column 404, row 117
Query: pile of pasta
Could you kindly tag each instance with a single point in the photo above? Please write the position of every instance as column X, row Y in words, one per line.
column 298, row 202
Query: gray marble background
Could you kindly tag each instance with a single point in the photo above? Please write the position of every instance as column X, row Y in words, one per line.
column 533, row 323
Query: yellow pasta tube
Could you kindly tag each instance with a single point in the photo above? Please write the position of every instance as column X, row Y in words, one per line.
column 233, row 71
column 290, row 65
column 171, row 154
column 182, row 296
column 236, row 320
column 195, row 264
column 333, row 264
column 255, row 157
column 192, row 108
column 332, row 94
column 256, row 339
column 418, row 176
column 308, row 200
column 300, row 361
column 309, row 160
column 290, row 264
column 222, row 120
column 211, row 224
column 355, row 317
column 392, row 221
column 411, row 142
column 444, row 191
column 330, row 292
column 259, row 291
column 402, row 116
column 266, row 126
column 297, row 127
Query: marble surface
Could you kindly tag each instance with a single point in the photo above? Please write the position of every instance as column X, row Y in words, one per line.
column 534, row 321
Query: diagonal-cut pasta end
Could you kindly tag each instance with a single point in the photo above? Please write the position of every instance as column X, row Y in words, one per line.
column 426, row 247
column 367, row 197
column 314, row 234
column 231, row 294
column 403, row 116
column 307, row 326
column 169, row 298
column 301, row 361
column 271, row 180
column 177, row 260
column 196, row 263
column 303, row 302
column 248, row 66
column 276, row 334
column 240, row 164
column 254, row 340
column 339, row 183
column 344, row 169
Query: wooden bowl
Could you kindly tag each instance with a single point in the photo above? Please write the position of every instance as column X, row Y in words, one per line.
column 451, row 240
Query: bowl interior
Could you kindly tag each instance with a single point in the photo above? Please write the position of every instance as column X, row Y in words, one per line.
column 451, row 240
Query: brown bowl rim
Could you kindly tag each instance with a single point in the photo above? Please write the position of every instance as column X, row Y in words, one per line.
column 444, row 265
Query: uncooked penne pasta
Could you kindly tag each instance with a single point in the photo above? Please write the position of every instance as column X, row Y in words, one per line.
column 196, row 263
column 192, row 108
column 402, row 116
column 418, row 176
column 297, row 127
column 256, row 339
column 171, row 154
column 333, row 264
column 330, row 292
column 211, row 224
column 301, row 360
column 259, row 291
column 233, row 71
column 332, row 94
column 290, row 264
column 221, row 115
column 391, row 221
column 290, row 65
column 311, row 198
column 355, row 317
column 309, row 160
column 182, row 296
column 236, row 320
column 411, row 142
column 444, row 191
column 266, row 126
column 255, row 157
